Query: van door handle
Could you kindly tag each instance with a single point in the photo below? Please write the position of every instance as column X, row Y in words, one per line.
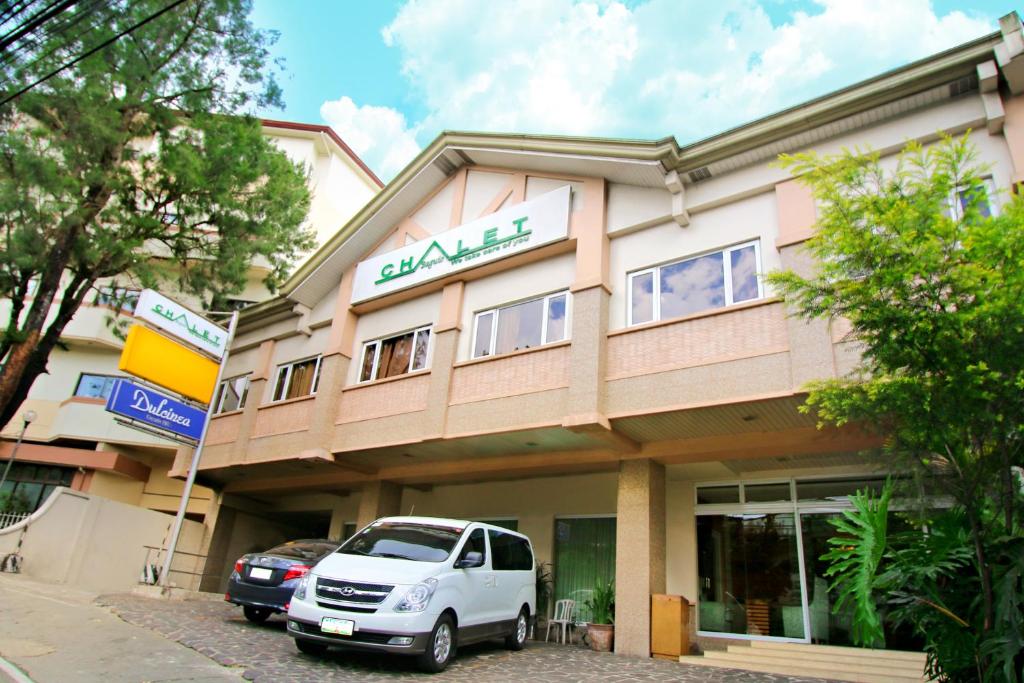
column 491, row 581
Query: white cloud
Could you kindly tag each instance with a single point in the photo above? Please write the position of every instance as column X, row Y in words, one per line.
column 687, row 68
column 377, row 134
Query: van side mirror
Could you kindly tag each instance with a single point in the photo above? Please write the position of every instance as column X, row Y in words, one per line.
column 470, row 560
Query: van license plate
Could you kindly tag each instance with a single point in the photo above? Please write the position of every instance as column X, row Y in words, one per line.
column 341, row 627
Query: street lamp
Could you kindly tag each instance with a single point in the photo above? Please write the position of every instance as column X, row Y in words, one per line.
column 27, row 418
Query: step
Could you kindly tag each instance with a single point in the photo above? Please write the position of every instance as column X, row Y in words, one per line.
column 840, row 661
column 797, row 670
column 887, row 655
column 828, row 668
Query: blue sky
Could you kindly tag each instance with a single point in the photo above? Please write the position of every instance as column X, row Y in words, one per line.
column 390, row 75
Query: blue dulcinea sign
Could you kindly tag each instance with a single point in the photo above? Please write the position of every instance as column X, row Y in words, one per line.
column 128, row 399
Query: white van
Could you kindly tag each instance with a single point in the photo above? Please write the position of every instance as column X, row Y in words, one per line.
column 418, row 585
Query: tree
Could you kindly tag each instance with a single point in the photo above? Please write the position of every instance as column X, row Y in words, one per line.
column 932, row 286
column 138, row 161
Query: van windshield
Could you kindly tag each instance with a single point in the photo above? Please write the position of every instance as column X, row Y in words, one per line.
column 403, row 541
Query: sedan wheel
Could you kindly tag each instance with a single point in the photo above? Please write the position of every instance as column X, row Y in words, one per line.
column 256, row 615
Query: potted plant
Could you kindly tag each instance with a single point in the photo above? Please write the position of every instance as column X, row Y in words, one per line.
column 600, row 630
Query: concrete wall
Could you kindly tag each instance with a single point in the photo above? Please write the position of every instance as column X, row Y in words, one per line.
column 95, row 543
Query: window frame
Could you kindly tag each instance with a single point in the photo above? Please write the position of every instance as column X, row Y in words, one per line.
column 288, row 367
column 379, row 343
column 242, row 399
column 82, row 375
column 956, row 208
column 655, row 270
column 545, row 315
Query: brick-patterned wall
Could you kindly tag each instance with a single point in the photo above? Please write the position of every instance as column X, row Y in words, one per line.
column 698, row 341
column 392, row 397
column 283, row 418
column 223, row 429
column 521, row 373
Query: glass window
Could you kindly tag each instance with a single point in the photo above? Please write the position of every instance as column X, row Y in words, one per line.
column 28, row 486
column 524, row 325
column 116, row 297
column 297, row 379
column 396, row 355
column 696, row 284
column 979, row 195
column 231, row 394
column 766, row 493
column 717, row 495
column 749, row 575
column 641, row 292
column 95, row 386
column 475, row 544
column 836, row 490
column 403, row 541
column 509, row 553
column 584, row 558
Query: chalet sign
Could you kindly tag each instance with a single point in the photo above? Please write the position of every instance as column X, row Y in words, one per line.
column 153, row 409
column 175, row 319
column 519, row 228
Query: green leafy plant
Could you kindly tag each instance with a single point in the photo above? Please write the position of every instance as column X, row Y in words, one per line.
column 913, row 257
column 16, row 504
column 545, row 587
column 602, row 603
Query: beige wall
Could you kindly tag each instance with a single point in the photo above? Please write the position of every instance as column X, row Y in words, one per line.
column 89, row 541
column 393, row 320
column 535, row 503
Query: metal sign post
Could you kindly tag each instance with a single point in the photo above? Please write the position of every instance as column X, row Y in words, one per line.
column 196, row 455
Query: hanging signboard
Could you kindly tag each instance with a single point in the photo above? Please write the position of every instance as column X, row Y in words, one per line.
column 152, row 408
column 510, row 231
column 157, row 359
column 175, row 319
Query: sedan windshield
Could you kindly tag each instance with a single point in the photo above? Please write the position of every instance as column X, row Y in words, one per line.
column 403, row 541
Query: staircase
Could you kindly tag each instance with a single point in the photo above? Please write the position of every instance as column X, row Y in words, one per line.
column 860, row 665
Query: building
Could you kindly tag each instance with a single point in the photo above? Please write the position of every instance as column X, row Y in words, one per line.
column 73, row 441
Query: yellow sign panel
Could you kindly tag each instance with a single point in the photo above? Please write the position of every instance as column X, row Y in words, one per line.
column 159, row 360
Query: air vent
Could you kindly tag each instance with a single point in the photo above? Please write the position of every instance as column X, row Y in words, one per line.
column 963, row 85
column 702, row 173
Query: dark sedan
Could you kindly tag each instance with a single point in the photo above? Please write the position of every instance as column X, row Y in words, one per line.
column 263, row 583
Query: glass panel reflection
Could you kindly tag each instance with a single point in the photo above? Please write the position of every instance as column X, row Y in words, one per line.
column 692, row 286
column 749, row 575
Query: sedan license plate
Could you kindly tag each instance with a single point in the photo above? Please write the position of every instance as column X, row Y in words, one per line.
column 341, row 627
column 260, row 573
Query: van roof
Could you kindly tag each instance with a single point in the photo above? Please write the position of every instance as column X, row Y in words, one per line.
column 444, row 521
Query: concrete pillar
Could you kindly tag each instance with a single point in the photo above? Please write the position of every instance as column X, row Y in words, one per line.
column 811, row 355
column 639, row 553
column 214, row 580
column 379, row 499
column 445, row 346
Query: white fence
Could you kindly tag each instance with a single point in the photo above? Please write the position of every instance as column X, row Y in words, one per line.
column 12, row 518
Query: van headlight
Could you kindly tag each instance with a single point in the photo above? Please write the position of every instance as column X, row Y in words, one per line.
column 418, row 597
column 300, row 589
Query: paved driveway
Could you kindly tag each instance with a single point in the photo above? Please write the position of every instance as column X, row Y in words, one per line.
column 266, row 653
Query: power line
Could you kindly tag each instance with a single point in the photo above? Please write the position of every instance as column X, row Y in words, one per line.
column 81, row 12
column 93, row 51
column 35, row 22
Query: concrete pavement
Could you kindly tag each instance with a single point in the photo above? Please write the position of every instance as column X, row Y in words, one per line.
column 57, row 634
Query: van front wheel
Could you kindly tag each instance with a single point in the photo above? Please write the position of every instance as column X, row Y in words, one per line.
column 440, row 646
column 517, row 639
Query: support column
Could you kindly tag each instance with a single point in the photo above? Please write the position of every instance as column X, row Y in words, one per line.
column 379, row 499
column 639, row 553
column 445, row 344
column 257, row 390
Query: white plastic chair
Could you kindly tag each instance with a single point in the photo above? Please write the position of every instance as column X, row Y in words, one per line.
column 563, row 618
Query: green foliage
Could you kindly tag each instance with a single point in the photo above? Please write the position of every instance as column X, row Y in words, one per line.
column 139, row 163
column 17, row 503
column 855, row 556
column 602, row 603
column 545, row 586
column 932, row 287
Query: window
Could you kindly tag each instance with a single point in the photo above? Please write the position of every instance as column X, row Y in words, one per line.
column 231, row 394
column 980, row 195
column 475, row 544
column 525, row 325
column 115, row 297
column 28, row 485
column 300, row 378
column 700, row 283
column 95, row 386
column 395, row 355
column 509, row 553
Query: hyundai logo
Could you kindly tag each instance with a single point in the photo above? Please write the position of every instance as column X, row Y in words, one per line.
column 348, row 590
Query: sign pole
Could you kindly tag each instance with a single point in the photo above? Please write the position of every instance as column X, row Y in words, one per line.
column 179, row 519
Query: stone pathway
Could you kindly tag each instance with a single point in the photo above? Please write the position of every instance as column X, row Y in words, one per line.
column 266, row 653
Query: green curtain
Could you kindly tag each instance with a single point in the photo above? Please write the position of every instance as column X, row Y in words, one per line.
column 584, row 558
